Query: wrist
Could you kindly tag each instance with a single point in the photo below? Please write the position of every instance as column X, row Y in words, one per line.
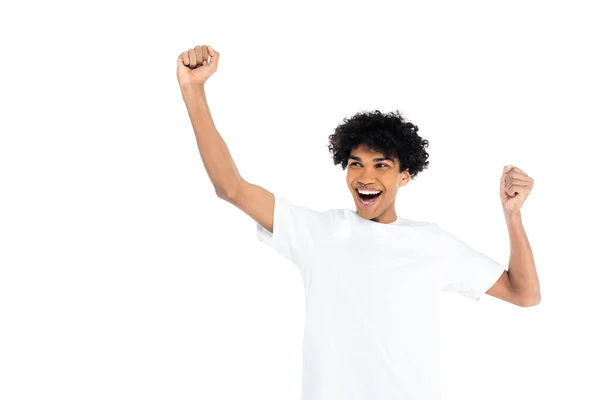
column 192, row 88
column 512, row 214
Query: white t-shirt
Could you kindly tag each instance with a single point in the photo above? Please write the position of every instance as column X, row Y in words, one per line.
column 372, row 299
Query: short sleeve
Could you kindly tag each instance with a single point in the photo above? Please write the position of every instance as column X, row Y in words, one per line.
column 468, row 272
column 296, row 231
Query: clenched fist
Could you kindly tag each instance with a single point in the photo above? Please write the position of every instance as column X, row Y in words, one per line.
column 194, row 66
column 515, row 187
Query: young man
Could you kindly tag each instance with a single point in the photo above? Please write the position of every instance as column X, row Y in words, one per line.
column 372, row 279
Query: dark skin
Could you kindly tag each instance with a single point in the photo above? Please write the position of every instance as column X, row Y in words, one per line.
column 384, row 175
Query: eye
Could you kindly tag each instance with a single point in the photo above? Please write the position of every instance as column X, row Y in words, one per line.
column 355, row 163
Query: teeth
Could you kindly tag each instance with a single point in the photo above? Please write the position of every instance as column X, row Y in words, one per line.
column 368, row 191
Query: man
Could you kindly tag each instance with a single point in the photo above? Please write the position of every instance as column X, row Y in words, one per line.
column 372, row 279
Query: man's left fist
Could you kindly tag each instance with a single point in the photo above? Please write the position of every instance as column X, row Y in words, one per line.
column 515, row 186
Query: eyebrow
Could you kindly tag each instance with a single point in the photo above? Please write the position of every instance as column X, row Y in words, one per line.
column 375, row 159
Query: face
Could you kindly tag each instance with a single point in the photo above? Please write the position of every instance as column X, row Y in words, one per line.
column 368, row 168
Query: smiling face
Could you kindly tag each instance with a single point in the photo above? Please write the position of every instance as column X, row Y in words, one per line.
column 368, row 168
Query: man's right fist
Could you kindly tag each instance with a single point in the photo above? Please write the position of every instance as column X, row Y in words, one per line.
column 194, row 66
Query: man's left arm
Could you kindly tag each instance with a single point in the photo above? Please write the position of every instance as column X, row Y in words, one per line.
column 520, row 284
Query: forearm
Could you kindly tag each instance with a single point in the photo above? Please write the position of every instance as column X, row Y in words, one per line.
column 215, row 155
column 521, row 268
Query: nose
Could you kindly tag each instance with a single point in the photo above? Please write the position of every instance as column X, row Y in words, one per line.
column 365, row 182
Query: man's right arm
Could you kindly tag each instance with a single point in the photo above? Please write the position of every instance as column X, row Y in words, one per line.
column 215, row 155
column 254, row 200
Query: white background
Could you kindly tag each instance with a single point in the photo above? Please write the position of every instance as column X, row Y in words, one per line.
column 123, row 276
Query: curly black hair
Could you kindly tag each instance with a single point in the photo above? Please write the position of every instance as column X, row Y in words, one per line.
column 389, row 134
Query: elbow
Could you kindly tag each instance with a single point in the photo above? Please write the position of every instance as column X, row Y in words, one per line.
column 223, row 193
column 528, row 296
column 229, row 188
column 531, row 300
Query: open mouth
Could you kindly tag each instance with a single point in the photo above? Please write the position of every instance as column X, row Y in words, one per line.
column 368, row 200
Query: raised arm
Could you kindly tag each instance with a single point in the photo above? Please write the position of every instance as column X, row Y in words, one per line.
column 193, row 69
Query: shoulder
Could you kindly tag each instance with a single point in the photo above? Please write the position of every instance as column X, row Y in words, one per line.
column 415, row 223
column 320, row 220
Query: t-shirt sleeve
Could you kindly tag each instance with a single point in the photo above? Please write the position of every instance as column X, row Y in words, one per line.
column 468, row 271
column 296, row 231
